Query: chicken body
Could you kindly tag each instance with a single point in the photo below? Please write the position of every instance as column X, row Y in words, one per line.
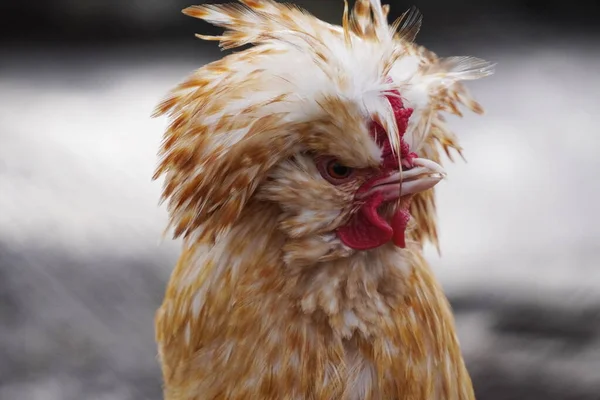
column 299, row 172
column 371, row 326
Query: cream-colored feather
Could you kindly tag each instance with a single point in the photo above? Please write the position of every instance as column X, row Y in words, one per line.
column 266, row 302
column 288, row 37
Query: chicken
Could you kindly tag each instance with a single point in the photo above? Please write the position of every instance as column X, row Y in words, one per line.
column 299, row 173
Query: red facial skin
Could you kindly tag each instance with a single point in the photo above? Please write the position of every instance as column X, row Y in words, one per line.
column 367, row 229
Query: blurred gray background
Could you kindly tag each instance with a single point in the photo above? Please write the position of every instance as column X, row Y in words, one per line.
column 82, row 264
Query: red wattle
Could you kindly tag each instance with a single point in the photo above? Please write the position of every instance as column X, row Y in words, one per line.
column 366, row 230
column 399, row 224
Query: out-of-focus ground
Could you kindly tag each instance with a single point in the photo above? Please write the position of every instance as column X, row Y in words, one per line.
column 82, row 265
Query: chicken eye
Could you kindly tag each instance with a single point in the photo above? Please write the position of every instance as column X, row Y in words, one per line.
column 337, row 170
column 333, row 171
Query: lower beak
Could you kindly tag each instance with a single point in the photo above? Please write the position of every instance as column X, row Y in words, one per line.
column 423, row 176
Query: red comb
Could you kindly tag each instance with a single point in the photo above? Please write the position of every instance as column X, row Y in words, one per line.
column 402, row 115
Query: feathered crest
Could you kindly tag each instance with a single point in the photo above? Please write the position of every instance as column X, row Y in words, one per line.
column 235, row 118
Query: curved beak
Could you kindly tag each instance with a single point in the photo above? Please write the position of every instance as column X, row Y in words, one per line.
column 423, row 176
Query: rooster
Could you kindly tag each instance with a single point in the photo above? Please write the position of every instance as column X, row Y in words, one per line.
column 299, row 174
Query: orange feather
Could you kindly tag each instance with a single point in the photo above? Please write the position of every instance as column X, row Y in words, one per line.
column 265, row 301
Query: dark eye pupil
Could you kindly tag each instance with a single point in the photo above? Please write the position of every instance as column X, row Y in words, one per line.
column 339, row 170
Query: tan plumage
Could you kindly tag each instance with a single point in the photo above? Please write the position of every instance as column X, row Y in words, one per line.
column 266, row 301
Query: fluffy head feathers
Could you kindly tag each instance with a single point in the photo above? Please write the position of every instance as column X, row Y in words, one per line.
column 306, row 86
column 276, row 159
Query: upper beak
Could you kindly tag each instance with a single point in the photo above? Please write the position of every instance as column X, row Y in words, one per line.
column 425, row 175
